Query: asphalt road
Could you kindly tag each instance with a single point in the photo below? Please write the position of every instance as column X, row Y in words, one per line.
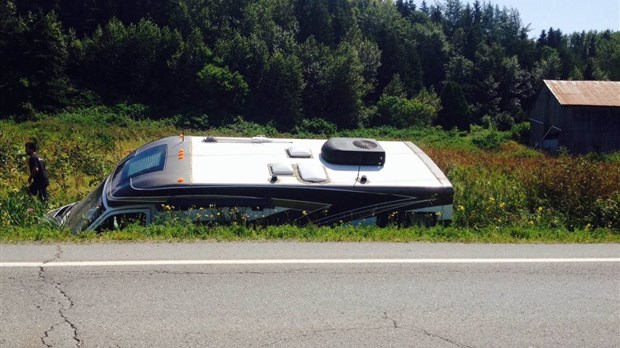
column 308, row 295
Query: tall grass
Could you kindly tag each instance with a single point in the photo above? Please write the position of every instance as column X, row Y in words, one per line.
column 19, row 208
column 515, row 186
column 343, row 233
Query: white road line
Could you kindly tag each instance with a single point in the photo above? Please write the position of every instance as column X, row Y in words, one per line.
column 305, row 262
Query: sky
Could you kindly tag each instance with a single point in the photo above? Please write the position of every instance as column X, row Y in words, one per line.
column 567, row 15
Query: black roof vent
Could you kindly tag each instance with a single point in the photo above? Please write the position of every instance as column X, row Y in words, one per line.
column 353, row 151
column 365, row 144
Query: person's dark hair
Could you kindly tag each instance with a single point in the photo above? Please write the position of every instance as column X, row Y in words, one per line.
column 31, row 145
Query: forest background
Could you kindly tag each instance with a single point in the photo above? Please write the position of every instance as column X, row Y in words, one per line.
column 91, row 81
column 351, row 63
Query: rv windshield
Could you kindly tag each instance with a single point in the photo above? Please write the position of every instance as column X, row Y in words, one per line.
column 86, row 211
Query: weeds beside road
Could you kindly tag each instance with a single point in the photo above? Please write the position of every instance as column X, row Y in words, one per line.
column 190, row 232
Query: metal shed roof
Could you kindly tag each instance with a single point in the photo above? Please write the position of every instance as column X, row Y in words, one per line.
column 585, row 93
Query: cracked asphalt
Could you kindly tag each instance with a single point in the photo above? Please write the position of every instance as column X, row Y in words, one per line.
column 62, row 333
column 369, row 305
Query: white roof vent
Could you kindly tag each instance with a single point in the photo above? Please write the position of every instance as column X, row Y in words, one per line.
column 299, row 152
column 280, row 169
column 312, row 172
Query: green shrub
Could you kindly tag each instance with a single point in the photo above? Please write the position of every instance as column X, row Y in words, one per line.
column 241, row 127
column 520, row 132
column 503, row 121
column 315, row 126
column 606, row 213
column 133, row 111
column 488, row 139
column 403, row 112
column 192, row 121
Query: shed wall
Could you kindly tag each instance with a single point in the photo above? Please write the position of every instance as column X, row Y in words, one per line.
column 544, row 115
column 587, row 129
column 582, row 129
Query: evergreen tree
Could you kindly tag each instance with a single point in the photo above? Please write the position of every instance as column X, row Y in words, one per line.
column 315, row 20
column 436, row 14
column 433, row 48
column 405, row 7
column 455, row 111
column 47, row 58
column 316, row 59
column 13, row 84
column 608, row 53
column 550, row 66
column 33, row 54
column 424, row 8
column 452, row 15
column 344, row 101
column 278, row 96
column 472, row 23
column 542, row 39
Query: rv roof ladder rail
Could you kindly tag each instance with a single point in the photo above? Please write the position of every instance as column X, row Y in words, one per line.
column 254, row 140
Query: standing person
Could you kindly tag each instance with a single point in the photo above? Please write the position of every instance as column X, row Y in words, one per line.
column 38, row 178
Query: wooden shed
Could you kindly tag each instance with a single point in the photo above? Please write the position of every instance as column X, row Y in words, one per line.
column 581, row 116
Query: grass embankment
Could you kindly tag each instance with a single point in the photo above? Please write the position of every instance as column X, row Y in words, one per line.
column 191, row 232
column 504, row 191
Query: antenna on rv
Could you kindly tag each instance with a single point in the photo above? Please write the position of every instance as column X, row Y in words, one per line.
column 358, row 179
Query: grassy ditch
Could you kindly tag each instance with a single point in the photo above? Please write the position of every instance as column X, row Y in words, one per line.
column 191, row 232
column 504, row 191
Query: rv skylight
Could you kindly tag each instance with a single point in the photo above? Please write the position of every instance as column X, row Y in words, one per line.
column 280, row 169
column 311, row 172
column 148, row 161
column 299, row 152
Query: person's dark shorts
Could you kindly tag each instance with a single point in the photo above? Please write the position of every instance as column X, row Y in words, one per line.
column 39, row 189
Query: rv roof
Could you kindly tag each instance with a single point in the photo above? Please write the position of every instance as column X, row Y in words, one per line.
column 237, row 161
column 198, row 162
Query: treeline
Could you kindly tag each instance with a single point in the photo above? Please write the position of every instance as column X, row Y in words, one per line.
column 349, row 63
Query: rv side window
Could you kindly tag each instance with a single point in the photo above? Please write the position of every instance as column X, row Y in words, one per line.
column 121, row 220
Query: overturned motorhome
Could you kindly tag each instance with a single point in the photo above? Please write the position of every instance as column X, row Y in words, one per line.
column 268, row 181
